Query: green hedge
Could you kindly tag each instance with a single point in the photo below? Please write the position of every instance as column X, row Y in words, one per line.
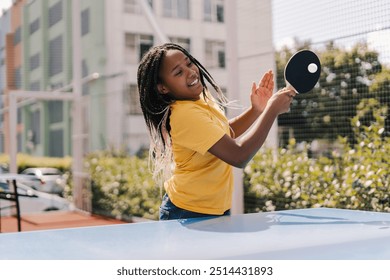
column 122, row 186
column 352, row 177
column 25, row 161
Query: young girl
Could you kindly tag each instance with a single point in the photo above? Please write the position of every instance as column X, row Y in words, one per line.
column 189, row 129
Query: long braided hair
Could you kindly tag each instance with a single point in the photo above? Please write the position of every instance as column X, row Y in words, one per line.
column 156, row 106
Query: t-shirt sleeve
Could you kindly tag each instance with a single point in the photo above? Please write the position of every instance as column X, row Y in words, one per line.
column 194, row 128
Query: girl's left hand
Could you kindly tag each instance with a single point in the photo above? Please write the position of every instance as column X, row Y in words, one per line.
column 262, row 92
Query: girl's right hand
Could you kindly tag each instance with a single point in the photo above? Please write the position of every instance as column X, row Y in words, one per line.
column 281, row 100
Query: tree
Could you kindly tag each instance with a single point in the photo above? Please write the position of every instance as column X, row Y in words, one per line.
column 326, row 111
column 380, row 89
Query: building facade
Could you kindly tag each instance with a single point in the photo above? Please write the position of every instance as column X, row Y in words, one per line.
column 5, row 28
column 114, row 36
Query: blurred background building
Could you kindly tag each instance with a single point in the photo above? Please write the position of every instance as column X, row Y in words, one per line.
column 36, row 54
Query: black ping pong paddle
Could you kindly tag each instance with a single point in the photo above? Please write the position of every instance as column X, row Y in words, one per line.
column 302, row 71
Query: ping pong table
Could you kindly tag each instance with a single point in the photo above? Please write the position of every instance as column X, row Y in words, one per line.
column 306, row 234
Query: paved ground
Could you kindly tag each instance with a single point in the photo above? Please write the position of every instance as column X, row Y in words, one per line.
column 55, row 220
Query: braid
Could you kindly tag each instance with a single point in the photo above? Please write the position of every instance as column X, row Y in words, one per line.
column 153, row 104
column 156, row 106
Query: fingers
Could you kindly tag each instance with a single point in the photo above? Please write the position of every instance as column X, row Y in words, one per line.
column 267, row 80
column 290, row 95
column 253, row 88
column 281, row 101
column 289, row 92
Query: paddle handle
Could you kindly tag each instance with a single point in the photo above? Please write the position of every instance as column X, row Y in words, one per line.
column 289, row 86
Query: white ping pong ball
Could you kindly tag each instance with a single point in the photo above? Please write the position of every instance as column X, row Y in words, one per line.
column 312, row 68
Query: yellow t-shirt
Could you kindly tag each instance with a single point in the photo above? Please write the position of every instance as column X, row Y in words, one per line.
column 201, row 182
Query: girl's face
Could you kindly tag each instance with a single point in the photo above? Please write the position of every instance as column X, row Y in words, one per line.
column 179, row 77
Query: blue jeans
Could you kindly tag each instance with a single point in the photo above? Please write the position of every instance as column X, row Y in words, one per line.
column 169, row 211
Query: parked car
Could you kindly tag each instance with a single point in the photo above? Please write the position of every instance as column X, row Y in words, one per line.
column 3, row 168
column 46, row 179
column 33, row 201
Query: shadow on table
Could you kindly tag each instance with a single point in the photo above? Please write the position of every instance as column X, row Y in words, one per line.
column 263, row 221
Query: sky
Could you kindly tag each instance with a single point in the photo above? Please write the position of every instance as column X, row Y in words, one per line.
column 323, row 20
column 4, row 4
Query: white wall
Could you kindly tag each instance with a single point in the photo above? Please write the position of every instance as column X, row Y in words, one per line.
column 250, row 55
column 255, row 48
column 115, row 117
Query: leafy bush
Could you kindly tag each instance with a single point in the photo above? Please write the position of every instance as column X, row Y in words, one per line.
column 25, row 161
column 122, row 186
column 354, row 177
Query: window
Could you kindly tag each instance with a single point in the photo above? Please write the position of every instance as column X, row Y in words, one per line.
column 55, row 13
column 55, row 56
column 35, row 86
column 56, row 86
column 19, row 115
column 215, row 54
column 145, row 43
column 213, row 10
column 56, row 143
column 36, row 126
column 17, row 36
column 55, row 109
column 2, row 142
column 84, row 73
column 18, row 78
column 34, row 26
column 135, row 47
column 132, row 6
column 176, row 8
column 19, row 142
column 132, row 103
column 34, row 61
column 130, row 49
column 84, row 22
column 184, row 42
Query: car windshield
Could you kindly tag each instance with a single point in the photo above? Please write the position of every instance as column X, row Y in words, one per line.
column 4, row 186
column 22, row 189
column 41, row 171
column 50, row 173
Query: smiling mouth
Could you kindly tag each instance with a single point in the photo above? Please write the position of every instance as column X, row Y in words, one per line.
column 194, row 82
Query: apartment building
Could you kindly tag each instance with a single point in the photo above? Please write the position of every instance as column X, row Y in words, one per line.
column 5, row 28
column 114, row 36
